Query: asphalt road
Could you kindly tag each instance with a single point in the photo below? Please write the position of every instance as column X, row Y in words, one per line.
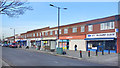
column 18, row 57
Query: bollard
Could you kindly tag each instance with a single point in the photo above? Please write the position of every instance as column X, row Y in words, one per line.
column 89, row 53
column 96, row 52
column 102, row 52
column 80, row 54
column 109, row 51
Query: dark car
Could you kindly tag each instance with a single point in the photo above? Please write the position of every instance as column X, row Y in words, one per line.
column 13, row 45
column 5, row 45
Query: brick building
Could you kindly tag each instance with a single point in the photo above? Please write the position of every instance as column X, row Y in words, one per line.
column 91, row 35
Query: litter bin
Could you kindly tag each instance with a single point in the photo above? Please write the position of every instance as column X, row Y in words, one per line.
column 59, row 50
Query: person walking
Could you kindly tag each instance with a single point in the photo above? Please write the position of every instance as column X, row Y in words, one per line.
column 75, row 47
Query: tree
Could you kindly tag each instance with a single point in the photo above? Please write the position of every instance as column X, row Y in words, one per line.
column 13, row 8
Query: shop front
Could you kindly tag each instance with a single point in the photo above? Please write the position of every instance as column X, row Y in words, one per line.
column 69, row 42
column 64, row 44
column 102, row 41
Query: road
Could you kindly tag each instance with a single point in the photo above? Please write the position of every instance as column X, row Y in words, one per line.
column 18, row 57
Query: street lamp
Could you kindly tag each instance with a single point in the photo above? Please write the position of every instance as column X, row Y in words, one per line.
column 14, row 33
column 58, row 18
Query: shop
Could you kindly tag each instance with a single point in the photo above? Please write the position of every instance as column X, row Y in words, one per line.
column 102, row 41
column 69, row 42
column 49, row 44
column 64, row 44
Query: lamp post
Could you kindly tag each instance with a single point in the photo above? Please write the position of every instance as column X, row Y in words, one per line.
column 14, row 33
column 58, row 18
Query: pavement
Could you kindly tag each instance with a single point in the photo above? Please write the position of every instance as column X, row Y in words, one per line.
column 106, row 59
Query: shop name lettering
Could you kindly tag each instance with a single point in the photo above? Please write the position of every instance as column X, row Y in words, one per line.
column 101, row 35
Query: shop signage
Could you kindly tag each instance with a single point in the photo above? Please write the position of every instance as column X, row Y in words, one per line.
column 102, row 35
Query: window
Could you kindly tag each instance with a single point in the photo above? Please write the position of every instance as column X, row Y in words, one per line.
column 111, row 25
column 46, row 33
column 51, row 32
column 37, row 34
column 65, row 31
column 55, row 32
column 74, row 29
column 90, row 27
column 42, row 33
column 108, row 25
column 60, row 31
column 82, row 28
column 34, row 34
column 25, row 36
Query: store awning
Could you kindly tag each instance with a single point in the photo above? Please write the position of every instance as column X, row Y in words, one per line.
column 99, row 38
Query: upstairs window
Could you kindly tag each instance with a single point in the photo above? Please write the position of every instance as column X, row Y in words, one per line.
column 37, row 34
column 60, row 31
column 42, row 33
column 74, row 30
column 90, row 27
column 34, row 34
column 65, row 31
column 46, row 33
column 107, row 25
column 51, row 32
column 55, row 32
column 82, row 28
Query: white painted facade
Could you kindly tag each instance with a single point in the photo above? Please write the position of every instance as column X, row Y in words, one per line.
column 81, row 44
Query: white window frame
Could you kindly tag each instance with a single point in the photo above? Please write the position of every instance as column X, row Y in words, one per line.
column 82, row 28
column 112, row 24
column 46, row 33
column 90, row 27
column 51, row 32
column 42, row 33
column 107, row 26
column 66, row 31
column 37, row 34
column 56, row 32
column 74, row 29
column 60, row 31
column 33, row 34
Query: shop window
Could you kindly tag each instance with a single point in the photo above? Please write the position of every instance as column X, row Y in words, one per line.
column 82, row 28
column 74, row 29
column 90, row 27
column 51, row 32
column 60, row 31
column 108, row 25
column 65, row 31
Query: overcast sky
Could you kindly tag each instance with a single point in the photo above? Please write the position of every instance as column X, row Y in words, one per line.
column 44, row 15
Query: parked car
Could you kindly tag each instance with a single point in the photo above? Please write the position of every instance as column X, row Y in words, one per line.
column 13, row 45
column 5, row 45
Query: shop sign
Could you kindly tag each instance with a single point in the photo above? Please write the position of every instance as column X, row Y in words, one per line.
column 102, row 35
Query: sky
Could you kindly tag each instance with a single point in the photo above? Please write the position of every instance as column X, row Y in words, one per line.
column 44, row 15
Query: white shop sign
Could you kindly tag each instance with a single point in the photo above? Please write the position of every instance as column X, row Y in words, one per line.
column 102, row 35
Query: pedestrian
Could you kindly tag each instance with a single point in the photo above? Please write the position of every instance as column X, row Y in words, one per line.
column 67, row 47
column 75, row 47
